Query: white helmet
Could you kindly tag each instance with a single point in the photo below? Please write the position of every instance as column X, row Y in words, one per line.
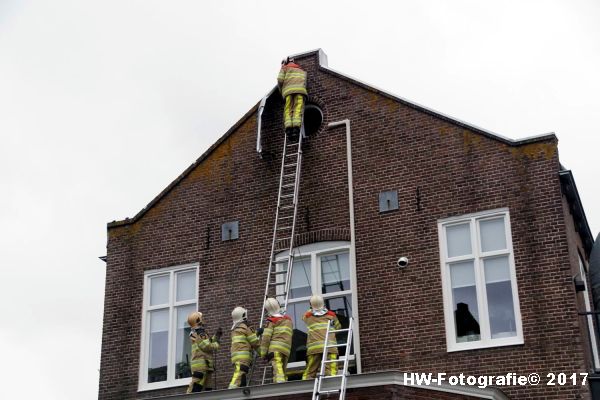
column 317, row 304
column 272, row 306
column 239, row 314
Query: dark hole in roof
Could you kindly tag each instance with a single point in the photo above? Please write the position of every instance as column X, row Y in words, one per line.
column 313, row 119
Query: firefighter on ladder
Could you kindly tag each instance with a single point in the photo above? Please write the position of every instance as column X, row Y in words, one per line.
column 243, row 341
column 292, row 85
column 203, row 346
column 276, row 340
column 317, row 319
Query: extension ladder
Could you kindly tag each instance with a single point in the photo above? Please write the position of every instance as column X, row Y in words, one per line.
column 341, row 392
column 279, row 276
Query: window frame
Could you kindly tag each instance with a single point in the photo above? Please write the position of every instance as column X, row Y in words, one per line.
column 172, row 305
column 314, row 252
column 478, row 256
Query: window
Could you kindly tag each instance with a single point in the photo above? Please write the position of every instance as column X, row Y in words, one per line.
column 481, row 304
column 170, row 295
column 321, row 268
column 590, row 318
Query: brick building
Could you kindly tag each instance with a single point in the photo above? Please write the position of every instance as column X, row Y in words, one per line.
column 496, row 237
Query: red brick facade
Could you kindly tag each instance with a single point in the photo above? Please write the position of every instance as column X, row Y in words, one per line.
column 395, row 146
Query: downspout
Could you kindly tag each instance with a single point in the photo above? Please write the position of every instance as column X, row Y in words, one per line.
column 352, row 236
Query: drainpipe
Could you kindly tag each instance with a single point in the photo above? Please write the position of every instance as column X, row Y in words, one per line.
column 346, row 122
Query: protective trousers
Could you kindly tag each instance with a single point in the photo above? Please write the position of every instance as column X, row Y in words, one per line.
column 292, row 112
column 200, row 380
column 239, row 375
column 279, row 364
column 313, row 363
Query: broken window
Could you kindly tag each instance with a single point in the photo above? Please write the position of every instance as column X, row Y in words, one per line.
column 479, row 281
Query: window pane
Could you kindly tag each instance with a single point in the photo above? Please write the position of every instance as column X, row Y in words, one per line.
column 186, row 285
column 335, row 273
column 464, row 300
column 158, row 348
column 458, row 238
column 342, row 307
column 499, row 297
column 159, row 290
column 295, row 311
column 183, row 353
column 493, row 236
column 300, row 285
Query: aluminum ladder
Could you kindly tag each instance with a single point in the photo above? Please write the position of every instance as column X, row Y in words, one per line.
column 279, row 276
column 341, row 392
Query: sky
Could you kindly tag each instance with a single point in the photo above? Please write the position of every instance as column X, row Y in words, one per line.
column 104, row 103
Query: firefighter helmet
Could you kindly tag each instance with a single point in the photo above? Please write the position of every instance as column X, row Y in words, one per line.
column 238, row 315
column 272, row 306
column 316, row 302
column 195, row 319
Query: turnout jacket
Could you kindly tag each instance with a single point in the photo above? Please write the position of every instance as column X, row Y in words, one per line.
column 202, row 350
column 292, row 80
column 317, row 328
column 277, row 336
column 243, row 340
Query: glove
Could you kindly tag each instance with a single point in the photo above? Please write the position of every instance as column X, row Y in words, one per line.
column 260, row 331
column 219, row 334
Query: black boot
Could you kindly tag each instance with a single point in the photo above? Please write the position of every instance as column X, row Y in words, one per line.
column 289, row 133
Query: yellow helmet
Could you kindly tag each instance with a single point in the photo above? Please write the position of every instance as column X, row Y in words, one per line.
column 195, row 319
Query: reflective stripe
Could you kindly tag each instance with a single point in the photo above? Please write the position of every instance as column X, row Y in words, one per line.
column 283, row 329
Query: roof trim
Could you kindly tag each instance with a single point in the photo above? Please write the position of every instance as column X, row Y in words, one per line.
column 569, row 189
column 323, row 66
column 492, row 135
column 354, row 381
column 128, row 221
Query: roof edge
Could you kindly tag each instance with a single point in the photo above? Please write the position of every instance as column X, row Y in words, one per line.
column 550, row 136
column 323, row 65
column 572, row 195
column 164, row 192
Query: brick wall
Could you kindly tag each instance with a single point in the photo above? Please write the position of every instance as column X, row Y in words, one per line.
column 395, row 146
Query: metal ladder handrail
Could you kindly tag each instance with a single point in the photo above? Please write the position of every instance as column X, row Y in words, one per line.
column 344, row 376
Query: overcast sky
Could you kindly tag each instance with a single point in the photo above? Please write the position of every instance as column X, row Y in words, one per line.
column 104, row 103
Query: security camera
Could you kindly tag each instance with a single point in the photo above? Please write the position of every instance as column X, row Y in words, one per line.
column 402, row 262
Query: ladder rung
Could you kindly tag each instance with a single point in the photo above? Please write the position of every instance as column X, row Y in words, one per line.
column 286, row 207
column 331, row 376
column 280, row 260
column 282, row 239
column 287, row 217
column 340, row 330
column 292, row 144
column 289, row 175
column 329, row 391
column 288, row 185
column 279, row 272
column 283, row 228
column 283, row 196
column 332, row 361
column 337, row 345
column 291, row 155
column 290, row 165
column 276, row 283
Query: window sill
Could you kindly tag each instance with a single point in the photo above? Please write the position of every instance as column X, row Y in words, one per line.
column 485, row 345
column 164, row 385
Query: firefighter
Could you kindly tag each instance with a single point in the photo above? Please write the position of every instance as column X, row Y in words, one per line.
column 203, row 347
column 292, row 85
column 243, row 341
column 276, row 340
column 317, row 319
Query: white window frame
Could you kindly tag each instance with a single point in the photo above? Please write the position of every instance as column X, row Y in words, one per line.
column 590, row 318
column 477, row 256
column 143, row 384
column 314, row 252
